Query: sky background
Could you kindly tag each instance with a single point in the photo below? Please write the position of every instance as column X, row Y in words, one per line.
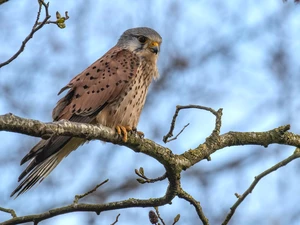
column 242, row 56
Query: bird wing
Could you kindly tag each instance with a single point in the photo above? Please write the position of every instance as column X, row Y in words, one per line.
column 99, row 84
column 89, row 92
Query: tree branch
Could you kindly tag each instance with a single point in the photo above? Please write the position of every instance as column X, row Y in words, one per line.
column 9, row 122
column 275, row 136
column 97, row 208
column 180, row 107
column 145, row 179
column 242, row 197
column 77, row 197
column 36, row 26
column 10, row 211
column 196, row 204
column 174, row 164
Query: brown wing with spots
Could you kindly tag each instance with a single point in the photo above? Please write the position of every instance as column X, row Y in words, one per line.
column 99, row 84
column 90, row 91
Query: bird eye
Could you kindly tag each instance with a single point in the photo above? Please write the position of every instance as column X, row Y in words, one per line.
column 142, row 39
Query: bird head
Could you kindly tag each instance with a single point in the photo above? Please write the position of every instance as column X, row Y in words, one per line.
column 143, row 41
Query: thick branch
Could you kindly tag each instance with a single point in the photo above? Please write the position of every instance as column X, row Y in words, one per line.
column 172, row 163
column 9, row 122
column 276, row 136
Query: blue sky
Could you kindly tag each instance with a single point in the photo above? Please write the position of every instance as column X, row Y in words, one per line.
column 241, row 56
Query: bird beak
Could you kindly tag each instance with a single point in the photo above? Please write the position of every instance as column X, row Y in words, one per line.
column 154, row 47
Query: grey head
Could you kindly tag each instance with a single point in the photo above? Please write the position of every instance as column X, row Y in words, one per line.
column 143, row 41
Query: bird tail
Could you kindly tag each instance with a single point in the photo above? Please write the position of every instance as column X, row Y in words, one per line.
column 38, row 174
column 38, row 169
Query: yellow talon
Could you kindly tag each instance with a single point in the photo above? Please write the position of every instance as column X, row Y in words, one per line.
column 123, row 130
column 118, row 130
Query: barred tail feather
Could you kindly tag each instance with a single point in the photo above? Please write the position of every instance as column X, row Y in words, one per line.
column 37, row 175
column 44, row 160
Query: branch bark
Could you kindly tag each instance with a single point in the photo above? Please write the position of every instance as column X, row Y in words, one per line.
column 174, row 164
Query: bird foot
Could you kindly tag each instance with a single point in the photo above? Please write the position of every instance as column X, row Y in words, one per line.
column 123, row 131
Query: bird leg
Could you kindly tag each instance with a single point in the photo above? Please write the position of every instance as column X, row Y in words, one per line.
column 123, row 131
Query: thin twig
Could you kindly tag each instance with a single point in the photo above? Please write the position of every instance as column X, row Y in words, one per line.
column 77, row 197
column 242, row 197
column 196, row 204
column 145, row 179
column 174, row 138
column 117, row 218
column 36, row 26
column 158, row 215
column 66, row 17
column 10, row 211
column 34, row 29
column 178, row 108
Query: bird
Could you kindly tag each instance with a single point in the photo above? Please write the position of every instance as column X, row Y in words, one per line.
column 111, row 92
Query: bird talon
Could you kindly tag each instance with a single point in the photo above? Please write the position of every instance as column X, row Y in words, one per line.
column 118, row 129
column 123, row 131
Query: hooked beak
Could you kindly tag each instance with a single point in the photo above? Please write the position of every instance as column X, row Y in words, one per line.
column 154, row 47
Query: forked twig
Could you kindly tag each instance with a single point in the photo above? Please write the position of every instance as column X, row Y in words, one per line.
column 242, row 197
column 10, row 211
column 218, row 115
column 174, row 138
column 145, row 179
column 196, row 204
column 77, row 197
column 158, row 215
column 36, row 26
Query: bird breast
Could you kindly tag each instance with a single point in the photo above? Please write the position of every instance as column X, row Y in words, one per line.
column 126, row 109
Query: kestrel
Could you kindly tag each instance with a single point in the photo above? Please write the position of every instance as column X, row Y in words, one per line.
column 112, row 92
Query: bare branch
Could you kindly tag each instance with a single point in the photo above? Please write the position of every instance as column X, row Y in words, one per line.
column 174, row 164
column 145, row 179
column 172, row 139
column 10, row 122
column 77, row 197
column 97, row 208
column 11, row 211
column 178, row 108
column 278, row 135
column 34, row 29
column 242, row 197
column 158, row 215
column 196, row 204
column 36, row 26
